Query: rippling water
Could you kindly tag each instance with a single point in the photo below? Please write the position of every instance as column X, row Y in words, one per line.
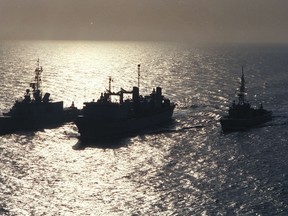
column 188, row 168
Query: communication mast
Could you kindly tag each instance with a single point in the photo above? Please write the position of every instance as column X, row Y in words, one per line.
column 138, row 76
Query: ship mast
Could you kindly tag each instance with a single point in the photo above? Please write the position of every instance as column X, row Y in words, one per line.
column 38, row 72
column 110, row 80
column 37, row 80
column 138, row 76
column 241, row 94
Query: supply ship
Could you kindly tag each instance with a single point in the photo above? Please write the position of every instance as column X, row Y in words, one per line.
column 105, row 118
column 241, row 116
column 35, row 111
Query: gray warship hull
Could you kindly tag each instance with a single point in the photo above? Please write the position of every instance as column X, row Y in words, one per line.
column 237, row 124
column 39, row 117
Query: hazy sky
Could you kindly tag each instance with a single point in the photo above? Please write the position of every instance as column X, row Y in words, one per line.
column 195, row 20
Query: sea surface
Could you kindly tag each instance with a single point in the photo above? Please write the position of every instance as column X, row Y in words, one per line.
column 188, row 167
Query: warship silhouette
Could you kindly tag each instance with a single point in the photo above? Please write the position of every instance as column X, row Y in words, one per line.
column 107, row 119
column 35, row 111
column 241, row 116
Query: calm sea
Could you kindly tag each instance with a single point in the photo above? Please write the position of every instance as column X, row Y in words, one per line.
column 187, row 168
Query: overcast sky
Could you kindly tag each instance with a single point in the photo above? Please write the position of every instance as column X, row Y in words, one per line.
column 196, row 20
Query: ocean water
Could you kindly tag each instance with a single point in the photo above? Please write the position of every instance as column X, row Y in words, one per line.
column 188, row 167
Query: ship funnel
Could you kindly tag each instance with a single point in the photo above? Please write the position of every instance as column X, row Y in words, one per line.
column 159, row 91
column 46, row 98
column 135, row 95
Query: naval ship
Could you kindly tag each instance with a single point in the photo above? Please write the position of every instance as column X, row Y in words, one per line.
column 105, row 118
column 241, row 116
column 35, row 111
